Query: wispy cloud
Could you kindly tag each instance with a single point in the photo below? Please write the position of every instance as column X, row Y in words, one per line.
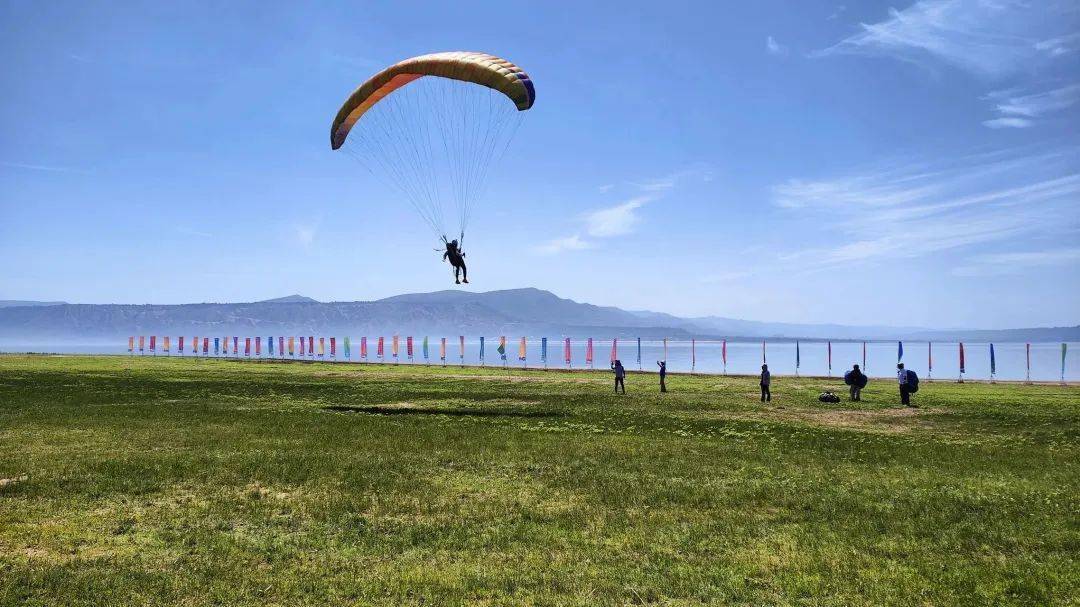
column 774, row 48
column 42, row 167
column 999, row 264
column 696, row 171
column 623, row 218
column 724, row 277
column 558, row 245
column 305, row 233
column 617, row 220
column 191, row 232
column 1018, row 109
column 837, row 12
column 990, row 38
column 1008, row 122
column 354, row 61
column 1061, row 45
column 913, row 211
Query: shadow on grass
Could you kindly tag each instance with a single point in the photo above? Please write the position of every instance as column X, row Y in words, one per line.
column 382, row 410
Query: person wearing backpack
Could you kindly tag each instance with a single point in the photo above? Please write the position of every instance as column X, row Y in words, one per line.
column 856, row 380
column 909, row 383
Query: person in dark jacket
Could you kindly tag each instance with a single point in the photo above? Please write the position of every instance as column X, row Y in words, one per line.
column 856, row 381
column 663, row 374
column 766, row 380
column 620, row 373
column 457, row 259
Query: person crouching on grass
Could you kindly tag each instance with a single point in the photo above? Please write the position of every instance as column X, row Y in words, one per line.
column 766, row 380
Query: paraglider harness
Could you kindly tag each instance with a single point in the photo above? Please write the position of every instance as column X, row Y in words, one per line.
column 912, row 382
column 459, row 255
column 828, row 397
column 849, row 379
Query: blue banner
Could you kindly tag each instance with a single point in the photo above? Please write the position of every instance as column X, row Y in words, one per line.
column 543, row 349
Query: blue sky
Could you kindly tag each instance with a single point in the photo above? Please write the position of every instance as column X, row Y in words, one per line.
column 913, row 164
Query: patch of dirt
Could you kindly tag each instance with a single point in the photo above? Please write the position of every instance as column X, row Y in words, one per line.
column 892, row 421
column 8, row 482
column 486, row 409
column 887, row 420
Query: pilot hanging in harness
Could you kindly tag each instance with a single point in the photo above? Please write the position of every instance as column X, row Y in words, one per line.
column 457, row 259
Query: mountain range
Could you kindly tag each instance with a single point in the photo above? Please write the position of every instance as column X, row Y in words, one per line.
column 508, row 312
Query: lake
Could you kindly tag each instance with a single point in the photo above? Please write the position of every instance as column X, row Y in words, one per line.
column 743, row 357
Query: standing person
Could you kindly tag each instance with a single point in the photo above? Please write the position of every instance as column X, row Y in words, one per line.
column 766, row 380
column 663, row 374
column 905, row 387
column 620, row 373
column 856, row 379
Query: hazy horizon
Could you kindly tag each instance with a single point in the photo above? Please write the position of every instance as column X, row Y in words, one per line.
column 907, row 328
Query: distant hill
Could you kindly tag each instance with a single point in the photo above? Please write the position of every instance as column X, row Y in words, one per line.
column 509, row 312
column 13, row 303
column 290, row 299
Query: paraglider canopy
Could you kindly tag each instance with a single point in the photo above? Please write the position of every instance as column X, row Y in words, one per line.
column 479, row 68
column 433, row 126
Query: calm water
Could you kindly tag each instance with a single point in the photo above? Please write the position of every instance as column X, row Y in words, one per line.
column 742, row 357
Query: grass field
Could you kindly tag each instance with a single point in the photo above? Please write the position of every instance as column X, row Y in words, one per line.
column 189, row 482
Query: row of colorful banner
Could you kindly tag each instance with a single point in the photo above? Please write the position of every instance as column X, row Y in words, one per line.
column 311, row 346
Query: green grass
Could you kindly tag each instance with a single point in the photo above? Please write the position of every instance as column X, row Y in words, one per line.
column 183, row 482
